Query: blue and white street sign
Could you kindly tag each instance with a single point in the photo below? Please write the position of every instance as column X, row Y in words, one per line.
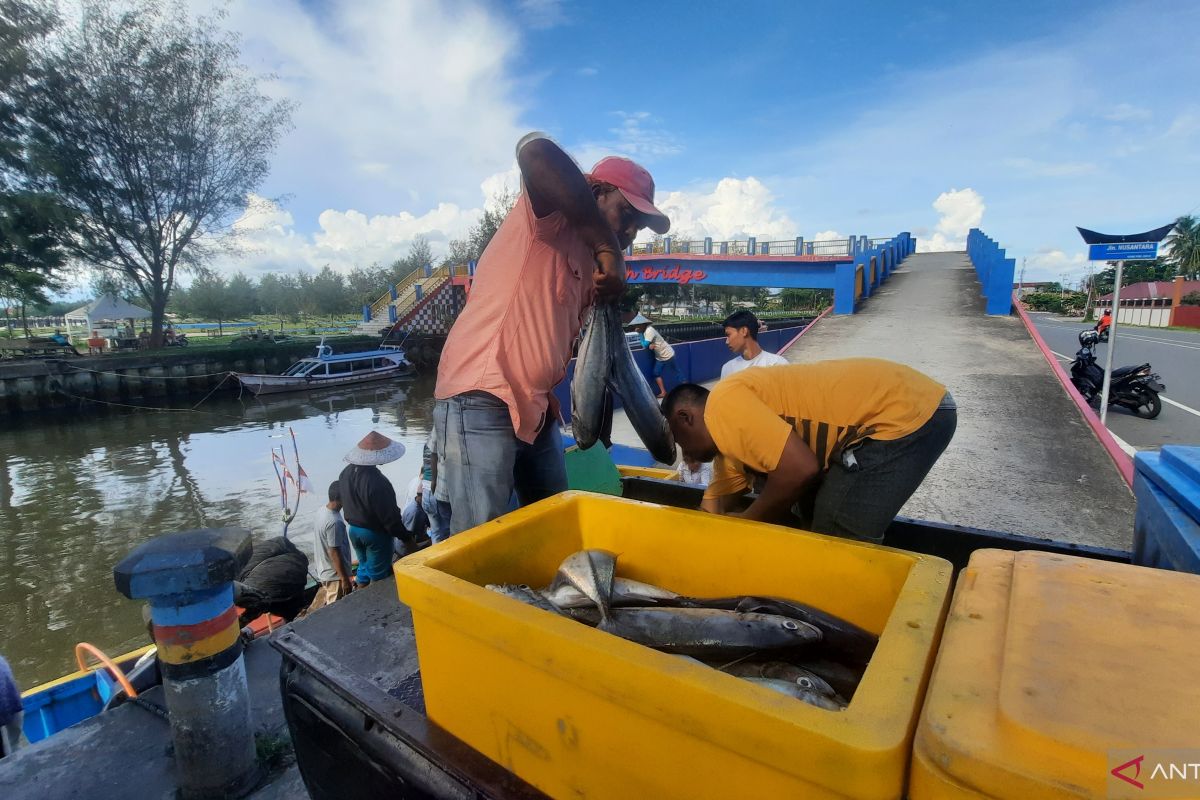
column 1123, row 251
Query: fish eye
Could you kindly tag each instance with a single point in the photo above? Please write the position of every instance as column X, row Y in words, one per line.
column 790, row 625
column 805, row 682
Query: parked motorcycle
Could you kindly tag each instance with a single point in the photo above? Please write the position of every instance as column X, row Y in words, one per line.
column 1135, row 388
column 180, row 340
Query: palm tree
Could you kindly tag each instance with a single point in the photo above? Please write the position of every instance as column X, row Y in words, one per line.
column 1184, row 247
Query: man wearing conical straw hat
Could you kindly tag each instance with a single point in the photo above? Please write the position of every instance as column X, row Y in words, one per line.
column 373, row 519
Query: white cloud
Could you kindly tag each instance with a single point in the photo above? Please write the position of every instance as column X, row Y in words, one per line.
column 1124, row 112
column 266, row 238
column 637, row 135
column 1052, row 264
column 401, row 105
column 1043, row 169
column 587, row 72
column 828, row 236
column 735, row 209
column 960, row 211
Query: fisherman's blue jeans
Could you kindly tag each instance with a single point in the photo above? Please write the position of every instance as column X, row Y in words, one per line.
column 438, row 512
column 374, row 551
column 483, row 462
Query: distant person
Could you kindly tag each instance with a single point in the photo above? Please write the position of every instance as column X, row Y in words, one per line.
column 331, row 551
column 741, row 336
column 842, row 444
column 1104, row 323
column 373, row 519
column 274, row 581
column 412, row 510
column 696, row 473
column 12, row 711
column 556, row 254
column 664, row 355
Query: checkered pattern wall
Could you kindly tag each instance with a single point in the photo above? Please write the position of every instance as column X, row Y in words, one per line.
column 438, row 311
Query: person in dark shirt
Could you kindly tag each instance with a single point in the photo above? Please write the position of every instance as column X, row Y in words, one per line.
column 369, row 507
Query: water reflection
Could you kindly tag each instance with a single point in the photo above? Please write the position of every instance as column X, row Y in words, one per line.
column 77, row 493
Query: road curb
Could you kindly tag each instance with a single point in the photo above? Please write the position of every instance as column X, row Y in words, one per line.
column 807, row 328
column 1122, row 461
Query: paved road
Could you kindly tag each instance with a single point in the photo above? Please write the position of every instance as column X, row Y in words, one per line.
column 1022, row 460
column 1175, row 356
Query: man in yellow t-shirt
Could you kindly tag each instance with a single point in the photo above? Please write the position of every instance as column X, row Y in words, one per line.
column 842, row 443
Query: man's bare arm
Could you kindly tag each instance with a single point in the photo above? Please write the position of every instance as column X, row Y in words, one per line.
column 554, row 183
column 798, row 467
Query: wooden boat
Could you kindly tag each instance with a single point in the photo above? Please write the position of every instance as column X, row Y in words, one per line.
column 328, row 369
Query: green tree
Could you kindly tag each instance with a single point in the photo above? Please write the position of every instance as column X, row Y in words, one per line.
column 364, row 285
column 1158, row 269
column 279, row 295
column 1183, row 247
column 471, row 247
column 208, row 299
column 420, row 254
column 328, row 291
column 149, row 128
column 241, row 297
column 32, row 223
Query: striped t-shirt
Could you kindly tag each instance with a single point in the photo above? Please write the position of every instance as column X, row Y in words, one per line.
column 831, row 405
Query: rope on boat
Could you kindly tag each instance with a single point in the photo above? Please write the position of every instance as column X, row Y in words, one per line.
column 153, row 708
column 192, row 410
column 144, row 377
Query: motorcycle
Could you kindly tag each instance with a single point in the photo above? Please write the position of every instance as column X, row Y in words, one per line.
column 1135, row 388
column 180, row 340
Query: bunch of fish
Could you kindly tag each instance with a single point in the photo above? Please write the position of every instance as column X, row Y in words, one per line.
column 748, row 637
column 606, row 364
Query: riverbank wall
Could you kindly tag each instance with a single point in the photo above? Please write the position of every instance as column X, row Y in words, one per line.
column 144, row 379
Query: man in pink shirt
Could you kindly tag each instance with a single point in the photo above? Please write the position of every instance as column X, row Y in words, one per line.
column 557, row 252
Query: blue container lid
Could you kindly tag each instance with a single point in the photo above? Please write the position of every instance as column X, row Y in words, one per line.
column 1175, row 470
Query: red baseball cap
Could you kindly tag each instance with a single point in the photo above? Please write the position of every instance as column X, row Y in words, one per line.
column 636, row 186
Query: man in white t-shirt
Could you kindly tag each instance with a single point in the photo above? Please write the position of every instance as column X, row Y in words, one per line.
column 331, row 551
column 741, row 336
column 664, row 354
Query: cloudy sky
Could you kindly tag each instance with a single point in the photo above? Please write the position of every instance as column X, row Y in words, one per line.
column 772, row 119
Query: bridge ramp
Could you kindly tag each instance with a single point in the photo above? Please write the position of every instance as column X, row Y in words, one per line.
column 1022, row 460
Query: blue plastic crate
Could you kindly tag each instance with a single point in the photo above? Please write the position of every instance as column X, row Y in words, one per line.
column 1167, row 524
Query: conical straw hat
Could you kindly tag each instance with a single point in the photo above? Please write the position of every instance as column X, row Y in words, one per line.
column 375, row 449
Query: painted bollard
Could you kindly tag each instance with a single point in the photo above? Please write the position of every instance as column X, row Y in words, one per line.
column 187, row 579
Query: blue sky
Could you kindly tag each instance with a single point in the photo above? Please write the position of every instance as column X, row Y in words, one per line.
column 766, row 119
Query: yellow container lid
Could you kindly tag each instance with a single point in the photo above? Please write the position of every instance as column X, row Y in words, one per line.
column 1053, row 670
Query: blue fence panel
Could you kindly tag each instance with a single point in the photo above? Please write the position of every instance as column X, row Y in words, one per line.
column 994, row 270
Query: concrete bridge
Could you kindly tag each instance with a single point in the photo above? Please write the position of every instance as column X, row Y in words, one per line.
column 428, row 299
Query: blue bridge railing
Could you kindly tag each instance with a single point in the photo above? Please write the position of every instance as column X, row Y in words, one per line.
column 797, row 246
column 994, row 270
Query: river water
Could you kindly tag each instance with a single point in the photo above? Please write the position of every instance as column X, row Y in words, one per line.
column 79, row 492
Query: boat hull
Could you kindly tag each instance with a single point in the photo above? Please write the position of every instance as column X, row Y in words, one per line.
column 276, row 384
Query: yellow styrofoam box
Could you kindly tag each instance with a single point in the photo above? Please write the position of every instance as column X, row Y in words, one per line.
column 1048, row 665
column 578, row 712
